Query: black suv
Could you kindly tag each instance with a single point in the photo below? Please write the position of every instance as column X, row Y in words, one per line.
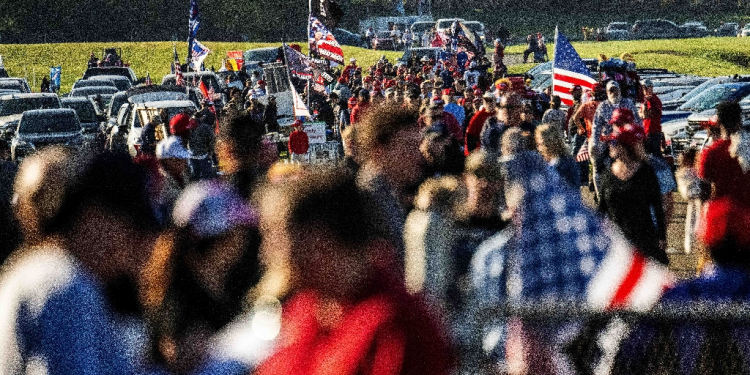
column 45, row 127
column 655, row 29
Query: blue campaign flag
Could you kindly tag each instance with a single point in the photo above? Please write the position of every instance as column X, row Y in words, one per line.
column 54, row 76
column 193, row 25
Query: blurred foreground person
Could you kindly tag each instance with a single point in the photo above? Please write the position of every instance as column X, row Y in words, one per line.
column 347, row 314
column 391, row 164
column 550, row 144
column 243, row 156
column 89, row 227
column 198, row 275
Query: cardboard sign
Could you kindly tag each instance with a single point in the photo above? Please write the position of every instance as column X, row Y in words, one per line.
column 235, row 60
column 316, row 132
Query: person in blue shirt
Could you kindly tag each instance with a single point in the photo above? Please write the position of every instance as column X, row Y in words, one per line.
column 69, row 302
column 461, row 58
column 452, row 107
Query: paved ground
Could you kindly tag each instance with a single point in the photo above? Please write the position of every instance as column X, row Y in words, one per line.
column 683, row 265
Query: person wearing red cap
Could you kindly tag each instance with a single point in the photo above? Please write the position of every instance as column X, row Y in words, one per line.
column 630, row 195
column 299, row 143
column 260, row 88
column 349, row 70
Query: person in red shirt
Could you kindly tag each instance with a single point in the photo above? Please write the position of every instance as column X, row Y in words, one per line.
column 349, row 70
column 299, row 143
column 474, row 130
column 362, row 106
column 650, row 112
column 718, row 167
column 585, row 114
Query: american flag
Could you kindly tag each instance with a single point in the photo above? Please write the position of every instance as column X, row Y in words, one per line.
column 583, row 152
column 323, row 41
column 148, row 80
column 193, row 25
column 559, row 252
column 199, row 52
column 299, row 64
column 179, row 80
column 568, row 70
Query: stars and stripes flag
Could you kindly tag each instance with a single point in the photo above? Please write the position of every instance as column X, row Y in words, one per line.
column 323, row 43
column 148, row 82
column 299, row 64
column 583, row 152
column 568, row 70
column 199, row 52
column 559, row 253
column 176, row 59
column 179, row 80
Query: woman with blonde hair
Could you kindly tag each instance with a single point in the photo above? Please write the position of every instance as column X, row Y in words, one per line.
column 550, row 144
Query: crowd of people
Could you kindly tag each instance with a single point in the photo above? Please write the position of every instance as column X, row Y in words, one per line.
column 457, row 192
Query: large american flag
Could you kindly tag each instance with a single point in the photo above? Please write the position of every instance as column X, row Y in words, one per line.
column 179, row 80
column 568, row 70
column 324, row 42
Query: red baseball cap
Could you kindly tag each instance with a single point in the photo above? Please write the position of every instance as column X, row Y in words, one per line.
column 478, row 92
column 629, row 135
column 181, row 124
column 368, row 79
column 352, row 102
column 342, row 80
column 622, row 116
column 261, row 83
column 448, row 92
column 297, row 123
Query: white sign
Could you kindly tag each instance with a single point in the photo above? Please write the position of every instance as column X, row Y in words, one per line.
column 324, row 153
column 316, row 132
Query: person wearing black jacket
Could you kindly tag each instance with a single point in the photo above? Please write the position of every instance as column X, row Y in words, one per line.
column 630, row 195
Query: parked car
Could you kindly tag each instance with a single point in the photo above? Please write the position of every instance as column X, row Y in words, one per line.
column 745, row 30
column 383, row 41
column 3, row 73
column 86, row 112
column 695, row 29
column 15, row 83
column 618, row 31
column 348, row 38
column 121, row 82
column 727, row 29
column 137, row 115
column 708, row 99
column 255, row 57
column 14, row 105
column 94, row 90
column 40, row 128
column 93, row 83
column 123, row 71
column 655, row 29
column 673, row 104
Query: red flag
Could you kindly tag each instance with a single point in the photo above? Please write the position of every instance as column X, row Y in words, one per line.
column 204, row 91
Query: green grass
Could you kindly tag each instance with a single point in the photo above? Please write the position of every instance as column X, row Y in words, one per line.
column 704, row 56
column 701, row 56
column 28, row 60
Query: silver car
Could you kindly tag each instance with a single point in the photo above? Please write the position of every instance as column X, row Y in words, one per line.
column 618, row 31
column 45, row 127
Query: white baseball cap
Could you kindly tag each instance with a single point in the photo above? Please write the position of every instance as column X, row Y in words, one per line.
column 352, row 60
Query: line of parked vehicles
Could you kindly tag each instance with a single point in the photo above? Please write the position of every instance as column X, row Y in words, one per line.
column 103, row 101
column 665, row 29
column 688, row 101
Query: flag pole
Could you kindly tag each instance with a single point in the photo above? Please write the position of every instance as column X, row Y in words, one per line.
column 309, row 50
column 554, row 57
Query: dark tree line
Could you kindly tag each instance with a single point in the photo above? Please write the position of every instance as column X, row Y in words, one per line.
column 39, row 21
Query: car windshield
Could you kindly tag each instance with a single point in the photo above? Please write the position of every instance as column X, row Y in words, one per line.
column 474, row 26
column 618, row 26
column 86, row 91
column 420, row 27
column 12, row 85
column 94, row 83
column 445, row 24
column 121, row 84
column 146, row 114
column 261, row 55
column 209, row 80
column 124, row 72
column 57, row 123
column 115, row 103
column 17, row 106
column 709, row 98
column 699, row 89
column 84, row 110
